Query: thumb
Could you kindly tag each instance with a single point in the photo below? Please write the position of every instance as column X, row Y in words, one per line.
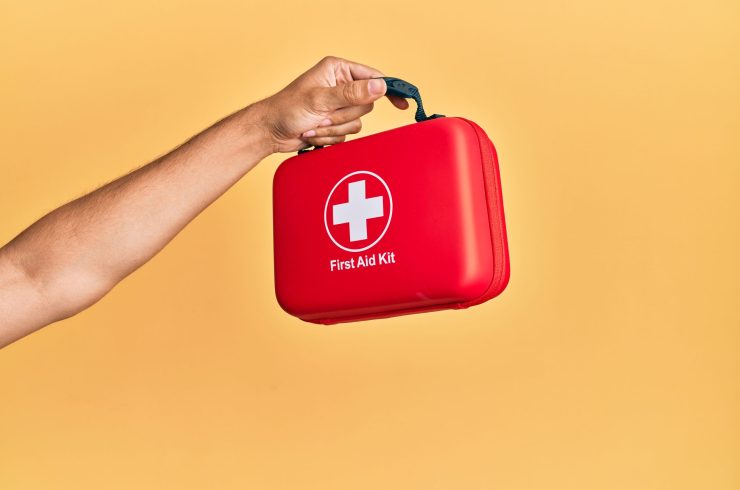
column 358, row 92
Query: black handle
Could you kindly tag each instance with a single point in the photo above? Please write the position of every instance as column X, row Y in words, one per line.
column 402, row 88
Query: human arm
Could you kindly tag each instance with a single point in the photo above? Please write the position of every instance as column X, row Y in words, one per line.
column 70, row 258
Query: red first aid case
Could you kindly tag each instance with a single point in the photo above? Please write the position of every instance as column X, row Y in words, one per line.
column 403, row 221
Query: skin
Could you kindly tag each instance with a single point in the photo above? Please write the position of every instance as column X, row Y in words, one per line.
column 68, row 260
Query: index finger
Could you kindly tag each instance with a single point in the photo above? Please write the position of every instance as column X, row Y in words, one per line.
column 362, row 72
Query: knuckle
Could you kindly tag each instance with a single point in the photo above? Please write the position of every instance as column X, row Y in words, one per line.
column 347, row 93
column 330, row 131
column 329, row 60
column 352, row 93
column 328, row 140
column 356, row 126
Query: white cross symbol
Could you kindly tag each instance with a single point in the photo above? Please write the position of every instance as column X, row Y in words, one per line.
column 357, row 211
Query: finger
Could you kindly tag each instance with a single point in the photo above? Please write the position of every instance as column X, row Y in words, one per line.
column 326, row 140
column 357, row 71
column 346, row 114
column 399, row 102
column 359, row 92
column 360, row 71
column 350, row 127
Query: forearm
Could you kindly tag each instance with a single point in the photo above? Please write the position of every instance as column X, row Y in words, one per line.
column 77, row 253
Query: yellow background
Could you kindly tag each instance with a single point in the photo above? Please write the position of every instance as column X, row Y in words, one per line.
column 612, row 361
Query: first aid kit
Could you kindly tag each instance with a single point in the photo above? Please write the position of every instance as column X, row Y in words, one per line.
column 404, row 221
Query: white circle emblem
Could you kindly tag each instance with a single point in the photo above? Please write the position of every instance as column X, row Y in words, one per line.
column 390, row 210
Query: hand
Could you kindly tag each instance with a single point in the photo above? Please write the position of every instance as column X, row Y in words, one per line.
column 322, row 106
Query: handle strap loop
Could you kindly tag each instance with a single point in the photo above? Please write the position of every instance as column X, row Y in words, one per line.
column 402, row 88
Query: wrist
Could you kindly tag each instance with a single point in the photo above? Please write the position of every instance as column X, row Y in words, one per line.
column 254, row 136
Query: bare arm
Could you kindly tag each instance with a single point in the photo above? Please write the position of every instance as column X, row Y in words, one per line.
column 73, row 256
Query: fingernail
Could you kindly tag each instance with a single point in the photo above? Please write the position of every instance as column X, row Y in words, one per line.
column 376, row 86
column 310, row 133
column 325, row 122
